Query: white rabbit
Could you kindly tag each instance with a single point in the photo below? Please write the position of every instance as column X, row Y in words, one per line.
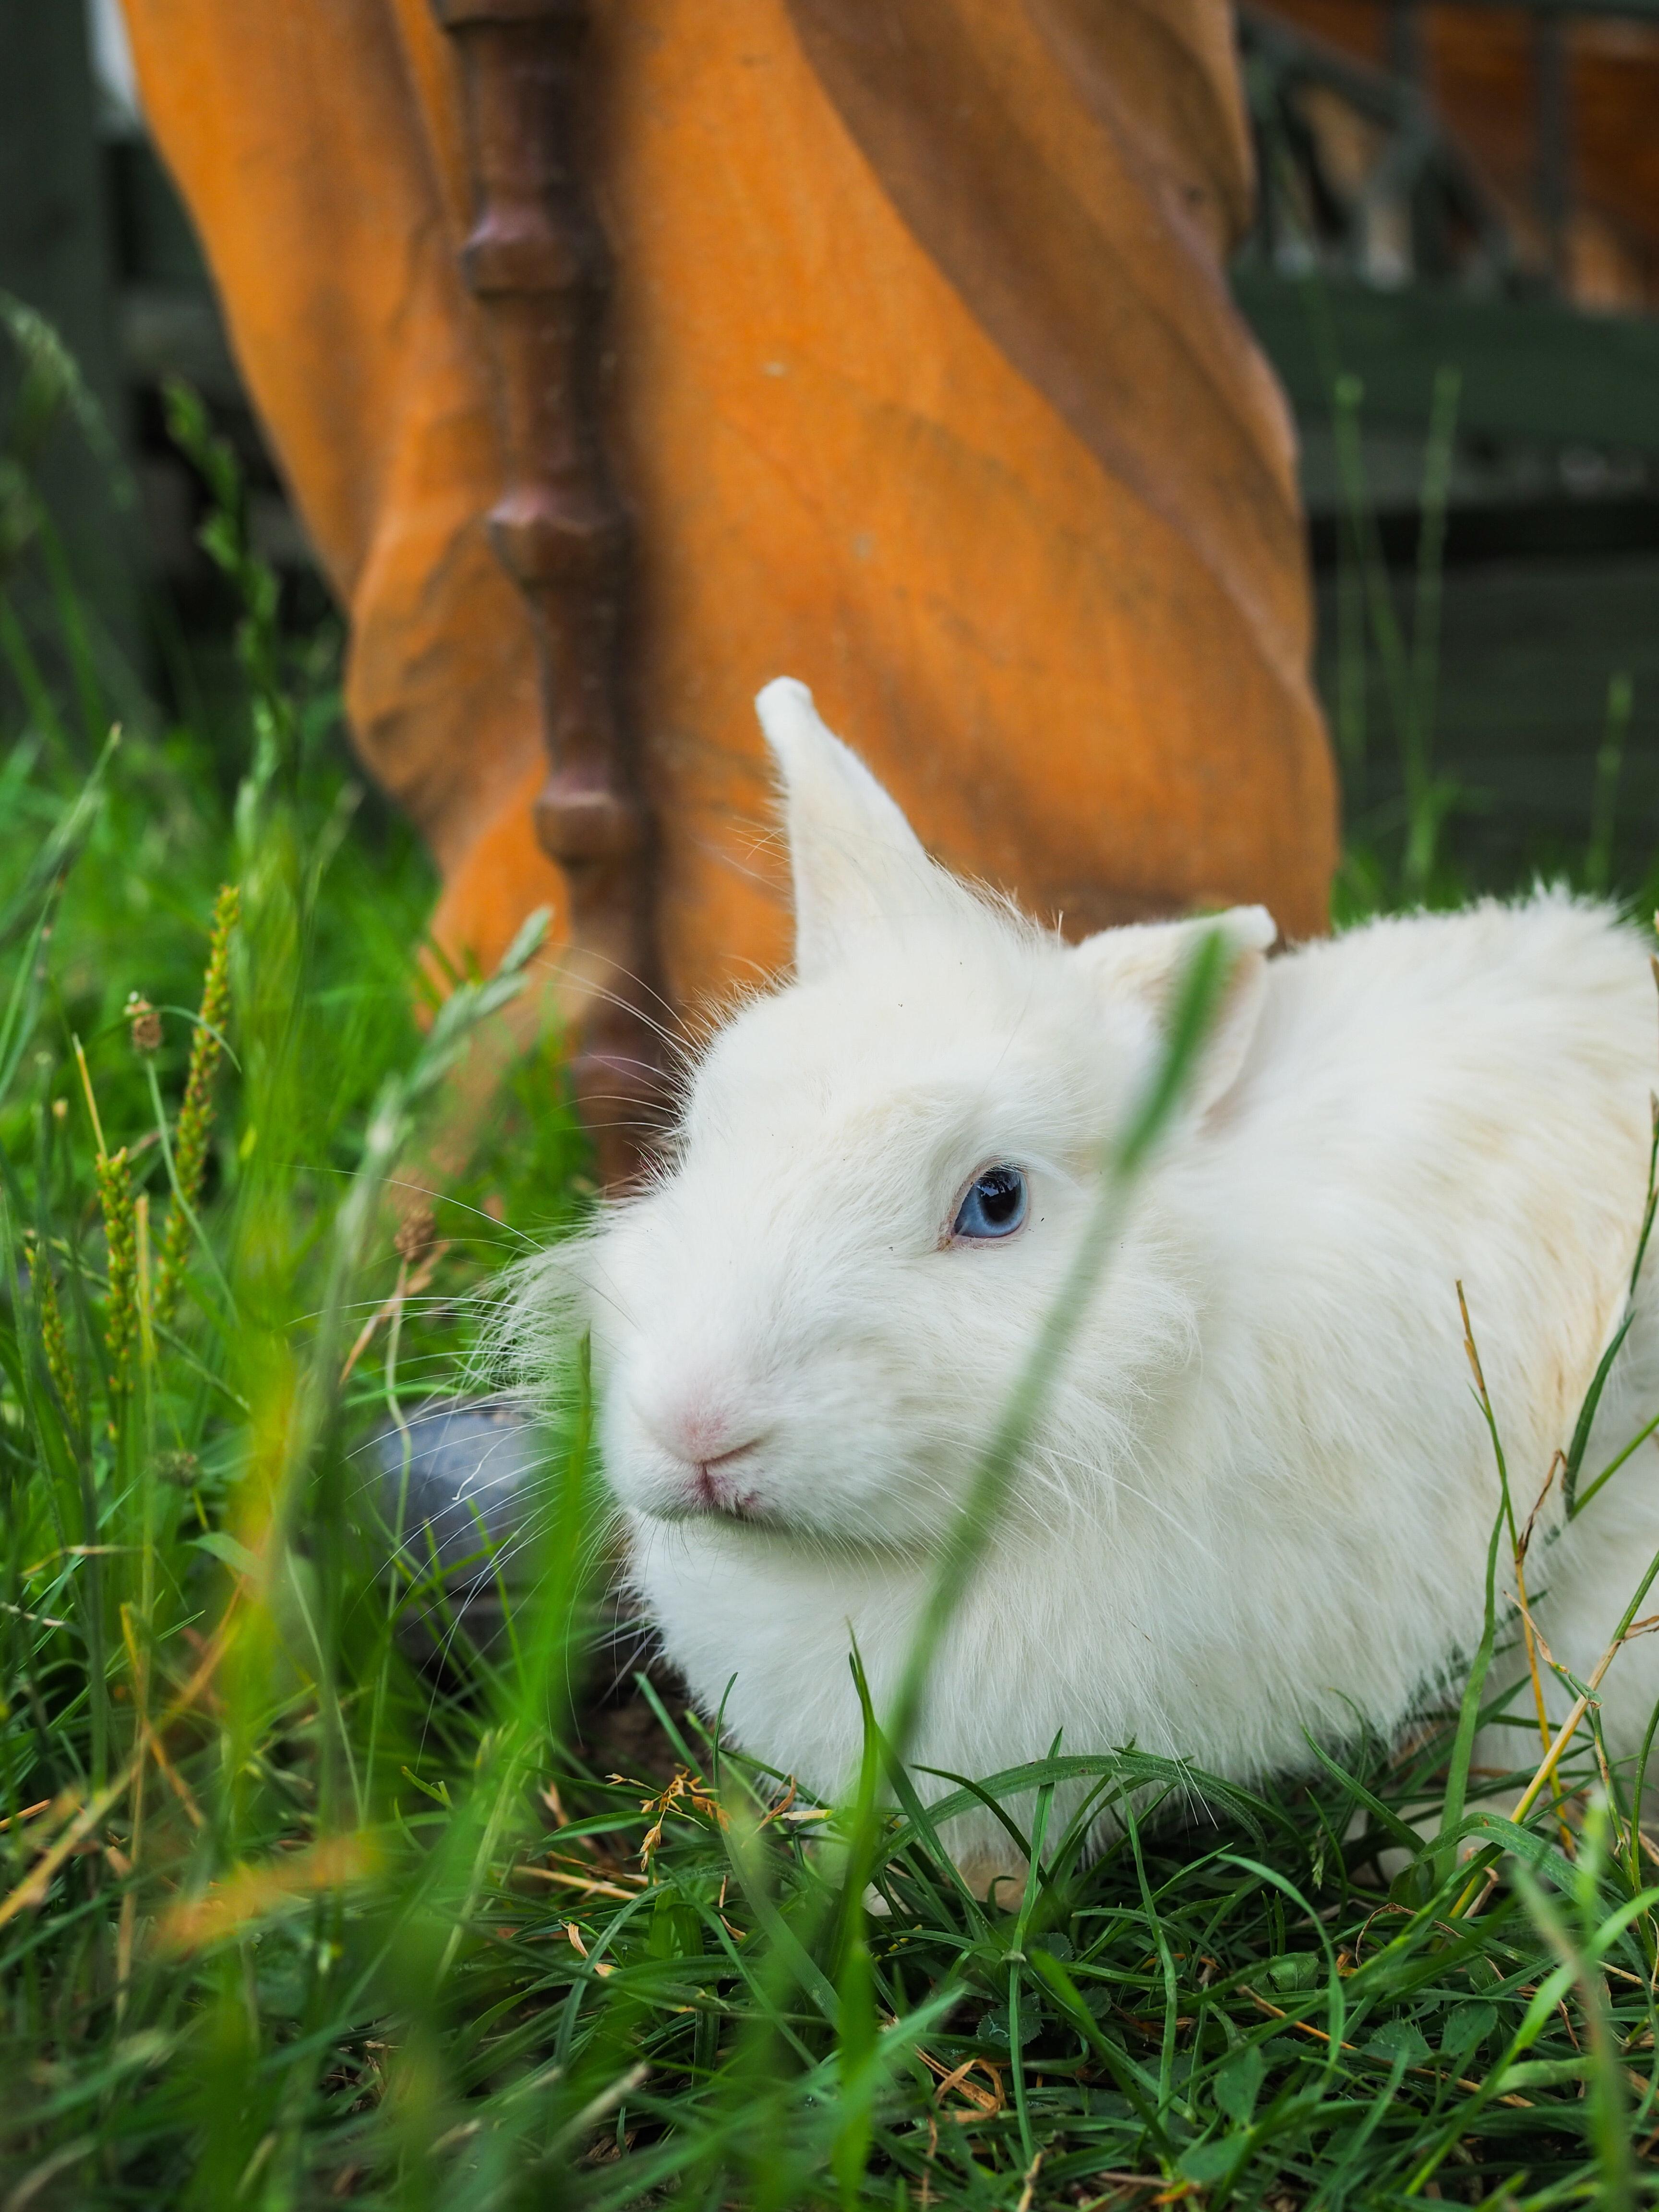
column 1259, row 1499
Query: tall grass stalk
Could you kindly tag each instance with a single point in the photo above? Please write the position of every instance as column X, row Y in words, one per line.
column 1409, row 660
column 1604, row 802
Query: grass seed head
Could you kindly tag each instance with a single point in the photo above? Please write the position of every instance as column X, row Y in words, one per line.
column 416, row 1236
column 54, row 1338
column 190, row 1145
column 121, row 1300
column 143, row 1024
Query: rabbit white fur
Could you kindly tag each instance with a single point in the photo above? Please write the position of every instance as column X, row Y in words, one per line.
column 1258, row 1500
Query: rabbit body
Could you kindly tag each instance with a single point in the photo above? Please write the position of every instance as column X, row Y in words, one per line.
column 1257, row 1502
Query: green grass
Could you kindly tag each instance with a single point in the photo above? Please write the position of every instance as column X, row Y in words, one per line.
column 287, row 1921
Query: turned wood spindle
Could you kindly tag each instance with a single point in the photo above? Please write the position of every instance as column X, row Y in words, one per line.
column 537, row 264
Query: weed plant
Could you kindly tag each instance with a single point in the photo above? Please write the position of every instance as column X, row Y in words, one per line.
column 294, row 1914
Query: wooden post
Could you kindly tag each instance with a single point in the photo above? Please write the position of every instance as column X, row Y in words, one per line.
column 536, row 263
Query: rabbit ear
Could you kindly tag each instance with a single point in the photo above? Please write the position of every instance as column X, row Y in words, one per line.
column 860, row 874
column 1145, row 961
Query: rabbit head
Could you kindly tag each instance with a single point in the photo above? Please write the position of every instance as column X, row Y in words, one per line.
column 812, row 1323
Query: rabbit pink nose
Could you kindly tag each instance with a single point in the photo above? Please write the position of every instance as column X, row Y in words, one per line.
column 701, row 1436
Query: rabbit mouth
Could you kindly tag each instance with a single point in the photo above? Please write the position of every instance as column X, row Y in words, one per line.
column 720, row 1488
column 715, row 1496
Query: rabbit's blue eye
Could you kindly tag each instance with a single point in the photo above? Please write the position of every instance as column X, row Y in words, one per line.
column 994, row 1205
